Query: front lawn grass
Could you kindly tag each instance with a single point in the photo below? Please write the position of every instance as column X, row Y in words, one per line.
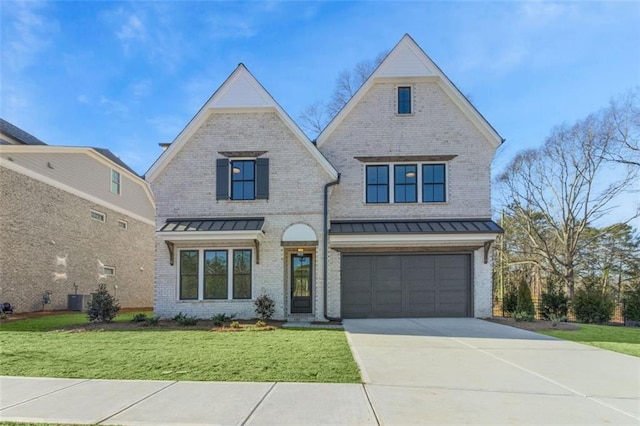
column 52, row 322
column 283, row 355
column 625, row 340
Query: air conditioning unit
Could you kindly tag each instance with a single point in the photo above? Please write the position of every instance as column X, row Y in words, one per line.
column 78, row 302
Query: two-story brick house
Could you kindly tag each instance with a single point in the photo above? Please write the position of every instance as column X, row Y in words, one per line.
column 388, row 215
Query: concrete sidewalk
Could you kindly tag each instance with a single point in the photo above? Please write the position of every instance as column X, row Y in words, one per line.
column 123, row 402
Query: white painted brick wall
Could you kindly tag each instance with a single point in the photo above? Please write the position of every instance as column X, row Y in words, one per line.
column 186, row 188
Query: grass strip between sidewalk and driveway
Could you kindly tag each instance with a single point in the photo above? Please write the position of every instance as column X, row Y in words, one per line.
column 624, row 340
column 280, row 355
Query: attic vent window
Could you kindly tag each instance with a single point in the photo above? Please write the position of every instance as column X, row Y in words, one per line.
column 404, row 100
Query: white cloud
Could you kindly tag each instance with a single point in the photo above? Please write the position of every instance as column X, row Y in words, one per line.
column 140, row 88
column 132, row 29
column 111, row 106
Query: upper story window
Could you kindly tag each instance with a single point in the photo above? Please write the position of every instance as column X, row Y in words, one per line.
column 123, row 224
column 406, row 183
column 109, row 271
column 115, row 182
column 378, row 184
column 401, row 186
column 433, row 183
column 404, row 100
column 242, row 179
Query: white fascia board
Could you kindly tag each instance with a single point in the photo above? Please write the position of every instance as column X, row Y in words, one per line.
column 199, row 236
column 56, row 184
column 402, row 240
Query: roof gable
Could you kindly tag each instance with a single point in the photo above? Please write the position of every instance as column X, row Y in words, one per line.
column 240, row 92
column 408, row 60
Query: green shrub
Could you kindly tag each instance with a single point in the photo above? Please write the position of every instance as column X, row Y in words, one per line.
column 631, row 310
column 234, row 324
column 591, row 304
column 510, row 301
column 261, row 323
column 265, row 307
column 525, row 303
column 218, row 319
column 523, row 316
column 554, row 302
column 103, row 306
column 185, row 320
column 151, row 322
column 141, row 317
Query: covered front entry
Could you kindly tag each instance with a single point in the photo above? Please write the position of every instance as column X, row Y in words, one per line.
column 301, row 283
column 406, row 285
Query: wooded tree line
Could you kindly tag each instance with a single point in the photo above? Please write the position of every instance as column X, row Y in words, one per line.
column 557, row 201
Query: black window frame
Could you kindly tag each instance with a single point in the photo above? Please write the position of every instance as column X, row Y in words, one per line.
column 376, row 184
column 183, row 275
column 403, row 182
column 243, row 274
column 405, row 106
column 434, row 183
column 206, row 275
column 241, row 179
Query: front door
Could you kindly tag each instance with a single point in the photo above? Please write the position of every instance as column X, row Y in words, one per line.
column 301, row 283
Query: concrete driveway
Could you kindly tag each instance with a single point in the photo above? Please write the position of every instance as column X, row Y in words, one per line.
column 469, row 371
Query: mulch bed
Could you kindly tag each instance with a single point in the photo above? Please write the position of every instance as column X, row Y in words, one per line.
column 537, row 325
column 243, row 325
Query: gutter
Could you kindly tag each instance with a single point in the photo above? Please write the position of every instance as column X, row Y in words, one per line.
column 325, row 245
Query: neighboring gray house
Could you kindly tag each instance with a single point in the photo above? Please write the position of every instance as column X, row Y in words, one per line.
column 388, row 215
column 71, row 217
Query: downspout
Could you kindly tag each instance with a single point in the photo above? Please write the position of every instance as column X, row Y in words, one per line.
column 325, row 244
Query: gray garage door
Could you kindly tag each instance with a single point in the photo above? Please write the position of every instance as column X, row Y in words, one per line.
column 407, row 285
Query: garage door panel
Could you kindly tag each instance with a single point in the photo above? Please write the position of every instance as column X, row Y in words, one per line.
column 406, row 285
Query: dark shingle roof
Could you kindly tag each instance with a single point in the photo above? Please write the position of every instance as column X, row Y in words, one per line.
column 112, row 157
column 213, row 224
column 415, row 226
column 18, row 134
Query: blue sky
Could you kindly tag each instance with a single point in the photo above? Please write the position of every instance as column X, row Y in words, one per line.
column 128, row 75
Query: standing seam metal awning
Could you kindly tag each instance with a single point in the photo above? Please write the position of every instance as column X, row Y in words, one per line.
column 211, row 229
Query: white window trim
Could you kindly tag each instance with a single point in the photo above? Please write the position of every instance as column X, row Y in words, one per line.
column 119, row 182
column 112, row 268
column 392, row 186
column 121, row 222
column 104, row 216
column 201, row 251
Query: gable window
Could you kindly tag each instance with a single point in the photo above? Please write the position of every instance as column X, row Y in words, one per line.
column 433, row 183
column 243, row 180
column 215, row 274
column 404, row 100
column 115, row 182
column 406, row 183
column 100, row 217
column 246, row 179
column 377, row 184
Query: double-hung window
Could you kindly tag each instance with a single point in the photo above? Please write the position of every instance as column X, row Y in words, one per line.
column 378, row 184
column 215, row 274
column 115, row 182
column 433, row 183
column 399, row 183
column 406, row 183
column 243, row 180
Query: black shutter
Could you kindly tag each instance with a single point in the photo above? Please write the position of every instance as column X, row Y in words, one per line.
column 262, row 179
column 222, row 179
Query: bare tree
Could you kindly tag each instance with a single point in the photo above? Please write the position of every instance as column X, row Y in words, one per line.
column 558, row 190
column 623, row 115
column 314, row 118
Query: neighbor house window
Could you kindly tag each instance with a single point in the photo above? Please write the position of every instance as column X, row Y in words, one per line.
column 406, row 183
column 243, row 180
column 123, row 224
column 242, row 274
column 215, row 274
column 115, row 182
column 189, row 274
column 433, row 183
column 100, row 217
column 404, row 100
column 109, row 271
column 377, row 184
